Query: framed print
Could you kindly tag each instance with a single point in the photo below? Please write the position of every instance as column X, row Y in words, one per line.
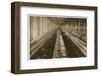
column 52, row 37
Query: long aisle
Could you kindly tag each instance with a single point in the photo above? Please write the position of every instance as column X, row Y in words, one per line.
column 60, row 49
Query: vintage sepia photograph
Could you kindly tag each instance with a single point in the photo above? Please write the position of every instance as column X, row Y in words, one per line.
column 57, row 37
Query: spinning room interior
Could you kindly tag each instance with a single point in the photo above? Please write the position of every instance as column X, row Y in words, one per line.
column 57, row 37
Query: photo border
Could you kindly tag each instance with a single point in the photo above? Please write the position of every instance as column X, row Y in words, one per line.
column 15, row 36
